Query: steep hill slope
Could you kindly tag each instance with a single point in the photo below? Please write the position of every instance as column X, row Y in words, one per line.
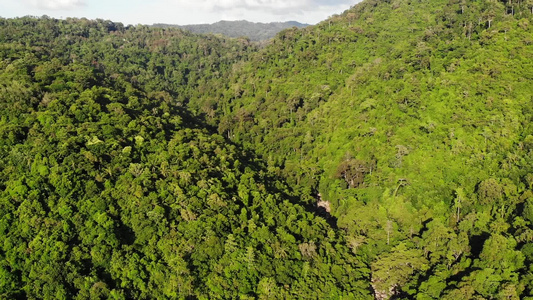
column 413, row 118
column 110, row 189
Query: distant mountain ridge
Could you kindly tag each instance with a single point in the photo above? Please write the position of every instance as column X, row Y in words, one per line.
column 254, row 31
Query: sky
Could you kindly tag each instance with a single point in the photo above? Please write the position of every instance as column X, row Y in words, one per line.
column 179, row 12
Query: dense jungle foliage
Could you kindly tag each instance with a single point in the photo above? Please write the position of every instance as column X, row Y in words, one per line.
column 110, row 189
column 140, row 162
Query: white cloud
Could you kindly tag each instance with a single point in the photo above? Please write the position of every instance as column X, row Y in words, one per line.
column 209, row 11
column 57, row 4
column 279, row 5
column 179, row 11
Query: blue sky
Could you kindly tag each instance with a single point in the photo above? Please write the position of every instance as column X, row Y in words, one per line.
column 179, row 11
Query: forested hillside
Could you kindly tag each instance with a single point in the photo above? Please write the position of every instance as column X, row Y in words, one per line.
column 254, row 31
column 145, row 162
column 413, row 119
column 110, row 189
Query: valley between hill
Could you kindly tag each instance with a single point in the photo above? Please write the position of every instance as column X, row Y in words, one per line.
column 140, row 162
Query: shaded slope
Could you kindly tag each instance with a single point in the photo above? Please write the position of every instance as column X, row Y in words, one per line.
column 109, row 188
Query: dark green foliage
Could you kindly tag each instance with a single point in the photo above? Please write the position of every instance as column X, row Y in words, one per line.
column 110, row 189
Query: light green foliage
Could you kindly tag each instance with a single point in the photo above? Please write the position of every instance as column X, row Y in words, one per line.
column 392, row 271
column 412, row 119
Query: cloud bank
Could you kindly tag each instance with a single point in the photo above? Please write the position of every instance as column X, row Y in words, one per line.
column 278, row 6
column 57, row 4
column 180, row 12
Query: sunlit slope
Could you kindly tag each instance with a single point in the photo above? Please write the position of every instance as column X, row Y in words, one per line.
column 425, row 90
column 413, row 118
